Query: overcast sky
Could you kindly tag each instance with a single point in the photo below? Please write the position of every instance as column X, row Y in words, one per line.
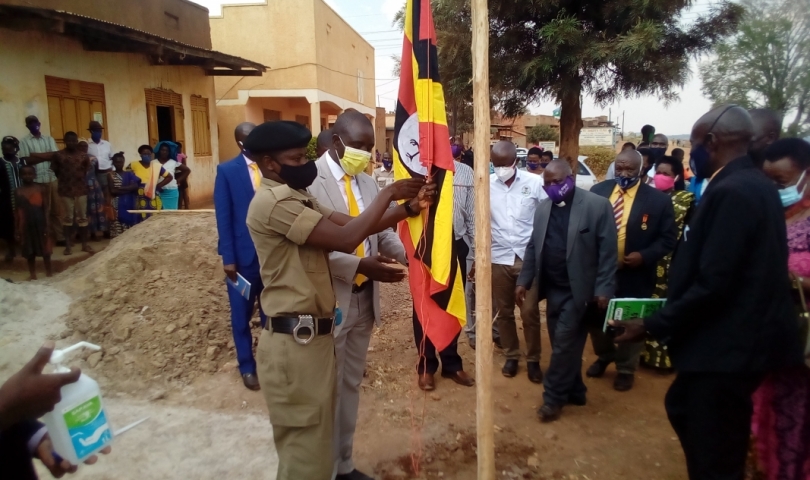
column 372, row 19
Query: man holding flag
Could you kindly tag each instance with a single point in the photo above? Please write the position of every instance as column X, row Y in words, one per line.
column 422, row 149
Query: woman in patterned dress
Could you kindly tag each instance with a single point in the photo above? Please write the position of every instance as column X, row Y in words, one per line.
column 153, row 178
column 96, row 216
column 668, row 178
column 123, row 190
column 781, row 421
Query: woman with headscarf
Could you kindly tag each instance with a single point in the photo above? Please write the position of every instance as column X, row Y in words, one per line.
column 9, row 182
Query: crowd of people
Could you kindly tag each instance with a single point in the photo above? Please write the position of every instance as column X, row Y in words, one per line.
column 49, row 196
column 725, row 241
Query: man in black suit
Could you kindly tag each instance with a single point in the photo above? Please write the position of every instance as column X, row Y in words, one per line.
column 572, row 259
column 729, row 316
column 645, row 224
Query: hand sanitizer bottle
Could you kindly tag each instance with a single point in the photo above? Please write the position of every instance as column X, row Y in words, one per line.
column 78, row 424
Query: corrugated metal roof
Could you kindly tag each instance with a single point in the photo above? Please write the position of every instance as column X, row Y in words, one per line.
column 87, row 24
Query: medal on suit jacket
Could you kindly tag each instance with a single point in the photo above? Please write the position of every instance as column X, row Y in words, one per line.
column 644, row 222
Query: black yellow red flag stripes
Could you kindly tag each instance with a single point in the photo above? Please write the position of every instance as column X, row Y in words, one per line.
column 422, row 148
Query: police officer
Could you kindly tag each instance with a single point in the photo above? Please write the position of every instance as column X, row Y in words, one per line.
column 293, row 235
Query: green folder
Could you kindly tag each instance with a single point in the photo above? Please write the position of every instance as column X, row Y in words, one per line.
column 622, row 309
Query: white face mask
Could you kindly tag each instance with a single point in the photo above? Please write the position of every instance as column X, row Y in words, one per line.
column 504, row 174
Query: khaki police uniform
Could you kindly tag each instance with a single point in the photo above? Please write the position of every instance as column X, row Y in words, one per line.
column 297, row 380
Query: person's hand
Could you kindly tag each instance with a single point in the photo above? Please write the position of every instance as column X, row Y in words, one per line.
column 425, row 198
column 377, row 268
column 230, row 271
column 471, row 273
column 405, row 189
column 602, row 302
column 159, row 189
column 29, row 393
column 633, row 260
column 520, row 296
column 45, row 453
column 634, row 330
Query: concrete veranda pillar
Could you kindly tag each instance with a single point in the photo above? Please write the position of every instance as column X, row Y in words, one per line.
column 315, row 118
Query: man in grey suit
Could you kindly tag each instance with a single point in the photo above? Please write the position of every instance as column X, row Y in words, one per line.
column 573, row 257
column 343, row 186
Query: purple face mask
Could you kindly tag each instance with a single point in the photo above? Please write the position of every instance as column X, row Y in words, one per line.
column 561, row 192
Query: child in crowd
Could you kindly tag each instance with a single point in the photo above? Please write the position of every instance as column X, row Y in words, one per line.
column 182, row 184
column 31, row 216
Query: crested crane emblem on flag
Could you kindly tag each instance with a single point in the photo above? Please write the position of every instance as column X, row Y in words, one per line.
column 422, row 149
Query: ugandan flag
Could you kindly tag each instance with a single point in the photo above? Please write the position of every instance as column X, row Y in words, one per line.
column 422, row 148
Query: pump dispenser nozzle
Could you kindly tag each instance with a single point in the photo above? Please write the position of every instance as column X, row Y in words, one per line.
column 58, row 356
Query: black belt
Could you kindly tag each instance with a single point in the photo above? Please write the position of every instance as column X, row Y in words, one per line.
column 359, row 288
column 302, row 325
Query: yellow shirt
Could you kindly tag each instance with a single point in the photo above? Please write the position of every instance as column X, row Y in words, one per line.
column 629, row 197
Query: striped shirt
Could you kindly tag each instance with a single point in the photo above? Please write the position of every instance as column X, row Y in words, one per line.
column 464, row 206
column 30, row 144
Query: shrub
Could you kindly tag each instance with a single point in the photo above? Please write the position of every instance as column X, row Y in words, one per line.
column 312, row 149
column 599, row 159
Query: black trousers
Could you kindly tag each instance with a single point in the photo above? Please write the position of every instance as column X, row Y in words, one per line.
column 568, row 334
column 711, row 413
column 450, row 359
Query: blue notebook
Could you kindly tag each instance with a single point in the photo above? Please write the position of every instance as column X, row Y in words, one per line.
column 242, row 286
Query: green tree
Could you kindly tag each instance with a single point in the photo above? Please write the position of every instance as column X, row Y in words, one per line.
column 564, row 49
column 767, row 63
column 542, row 133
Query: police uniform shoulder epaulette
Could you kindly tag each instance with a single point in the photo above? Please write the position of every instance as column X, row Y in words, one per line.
column 282, row 192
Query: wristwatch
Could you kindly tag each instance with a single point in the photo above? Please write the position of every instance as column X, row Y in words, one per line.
column 408, row 210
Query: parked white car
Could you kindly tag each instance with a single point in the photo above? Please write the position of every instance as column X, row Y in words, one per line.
column 585, row 177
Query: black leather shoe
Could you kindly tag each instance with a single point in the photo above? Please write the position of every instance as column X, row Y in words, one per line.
column 549, row 413
column 510, row 368
column 624, row 382
column 251, row 381
column 535, row 374
column 597, row 369
column 354, row 475
column 579, row 401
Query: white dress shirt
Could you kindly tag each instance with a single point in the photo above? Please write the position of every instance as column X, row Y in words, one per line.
column 464, row 206
column 338, row 173
column 103, row 152
column 512, row 210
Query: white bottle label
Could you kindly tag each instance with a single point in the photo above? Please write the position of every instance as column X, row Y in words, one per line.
column 87, row 426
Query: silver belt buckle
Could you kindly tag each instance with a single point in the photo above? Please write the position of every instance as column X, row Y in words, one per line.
column 304, row 321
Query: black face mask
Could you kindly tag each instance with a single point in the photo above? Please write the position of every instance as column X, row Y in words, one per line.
column 300, row 177
column 657, row 153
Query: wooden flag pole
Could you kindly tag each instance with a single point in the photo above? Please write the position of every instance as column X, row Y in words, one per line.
column 483, row 243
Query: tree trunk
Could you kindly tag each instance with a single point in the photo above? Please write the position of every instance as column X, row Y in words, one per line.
column 571, row 121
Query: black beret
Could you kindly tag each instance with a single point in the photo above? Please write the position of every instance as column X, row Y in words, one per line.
column 535, row 151
column 277, row 136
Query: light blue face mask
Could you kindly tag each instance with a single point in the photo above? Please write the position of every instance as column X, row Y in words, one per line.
column 491, row 168
column 791, row 195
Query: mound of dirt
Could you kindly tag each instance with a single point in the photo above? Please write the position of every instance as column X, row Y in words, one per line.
column 155, row 300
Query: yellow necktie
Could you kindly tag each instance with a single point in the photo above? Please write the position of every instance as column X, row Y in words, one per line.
column 255, row 175
column 354, row 211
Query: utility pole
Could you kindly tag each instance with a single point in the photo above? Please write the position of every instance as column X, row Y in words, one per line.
column 483, row 245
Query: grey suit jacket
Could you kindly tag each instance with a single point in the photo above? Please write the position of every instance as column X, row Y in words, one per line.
column 343, row 266
column 592, row 247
